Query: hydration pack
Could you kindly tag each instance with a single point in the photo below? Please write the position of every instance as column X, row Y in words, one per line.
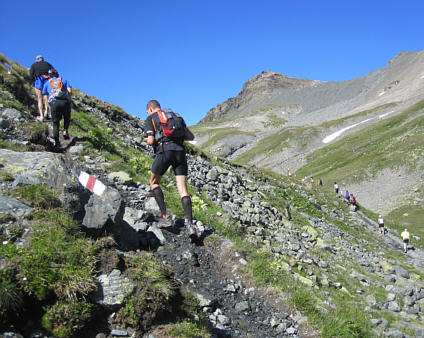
column 172, row 126
column 57, row 90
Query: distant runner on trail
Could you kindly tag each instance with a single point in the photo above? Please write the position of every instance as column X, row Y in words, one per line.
column 169, row 151
column 39, row 74
column 336, row 188
column 380, row 222
column 320, row 181
column 405, row 238
column 353, row 204
column 58, row 93
column 347, row 196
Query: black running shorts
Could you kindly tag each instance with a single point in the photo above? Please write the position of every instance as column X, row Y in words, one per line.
column 406, row 240
column 176, row 159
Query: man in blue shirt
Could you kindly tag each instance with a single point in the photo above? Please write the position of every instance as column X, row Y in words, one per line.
column 59, row 93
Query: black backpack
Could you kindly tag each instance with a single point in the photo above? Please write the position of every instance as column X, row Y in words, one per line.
column 172, row 126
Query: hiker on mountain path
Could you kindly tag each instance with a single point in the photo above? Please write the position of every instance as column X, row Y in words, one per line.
column 58, row 93
column 319, row 182
column 380, row 222
column 336, row 188
column 169, row 151
column 405, row 238
column 347, row 197
column 39, row 76
column 353, row 204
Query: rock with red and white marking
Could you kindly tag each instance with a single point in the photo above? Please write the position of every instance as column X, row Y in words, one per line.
column 91, row 183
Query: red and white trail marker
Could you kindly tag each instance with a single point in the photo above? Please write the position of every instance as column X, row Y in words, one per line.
column 91, row 183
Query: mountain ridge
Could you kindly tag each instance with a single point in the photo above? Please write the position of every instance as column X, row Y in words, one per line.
column 286, row 129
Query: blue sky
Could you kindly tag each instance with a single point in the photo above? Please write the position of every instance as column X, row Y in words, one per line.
column 192, row 55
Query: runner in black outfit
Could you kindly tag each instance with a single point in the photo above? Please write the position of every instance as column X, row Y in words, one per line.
column 168, row 153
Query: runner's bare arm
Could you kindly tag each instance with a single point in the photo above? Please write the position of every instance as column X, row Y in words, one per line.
column 149, row 138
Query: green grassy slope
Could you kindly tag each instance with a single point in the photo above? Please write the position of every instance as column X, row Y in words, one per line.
column 394, row 141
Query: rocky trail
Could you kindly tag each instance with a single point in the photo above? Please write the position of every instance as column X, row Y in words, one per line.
column 415, row 256
column 215, row 274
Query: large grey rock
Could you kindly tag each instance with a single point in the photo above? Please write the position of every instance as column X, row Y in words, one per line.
column 113, row 289
column 37, row 167
column 13, row 207
column 133, row 216
column 104, row 208
column 393, row 333
column 242, row 306
column 393, row 306
column 401, row 271
column 212, row 175
column 11, row 113
column 150, row 205
column 157, row 233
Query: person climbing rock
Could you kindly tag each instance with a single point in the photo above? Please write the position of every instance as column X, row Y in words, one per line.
column 380, row 222
column 58, row 93
column 336, row 188
column 169, row 151
column 39, row 76
column 405, row 238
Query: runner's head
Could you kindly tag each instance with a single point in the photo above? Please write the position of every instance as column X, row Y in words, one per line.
column 39, row 58
column 152, row 106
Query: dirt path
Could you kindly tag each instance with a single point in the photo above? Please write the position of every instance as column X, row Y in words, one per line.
column 235, row 307
column 415, row 256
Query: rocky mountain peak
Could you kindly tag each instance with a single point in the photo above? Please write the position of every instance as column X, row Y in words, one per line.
column 264, row 84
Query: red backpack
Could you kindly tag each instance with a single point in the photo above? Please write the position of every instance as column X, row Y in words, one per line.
column 172, row 126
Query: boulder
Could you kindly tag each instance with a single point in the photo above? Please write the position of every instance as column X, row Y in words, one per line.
column 113, row 289
column 104, row 208
column 401, row 271
column 13, row 207
column 150, row 205
column 242, row 306
column 11, row 113
column 38, row 167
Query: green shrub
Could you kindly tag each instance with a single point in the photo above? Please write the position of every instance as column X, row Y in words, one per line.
column 188, row 329
column 39, row 195
column 154, row 292
column 11, row 301
column 5, row 176
column 65, row 318
column 102, row 139
column 59, row 262
column 37, row 132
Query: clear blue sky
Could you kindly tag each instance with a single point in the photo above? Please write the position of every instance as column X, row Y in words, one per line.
column 192, row 55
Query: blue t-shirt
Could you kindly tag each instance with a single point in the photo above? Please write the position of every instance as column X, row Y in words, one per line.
column 47, row 89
